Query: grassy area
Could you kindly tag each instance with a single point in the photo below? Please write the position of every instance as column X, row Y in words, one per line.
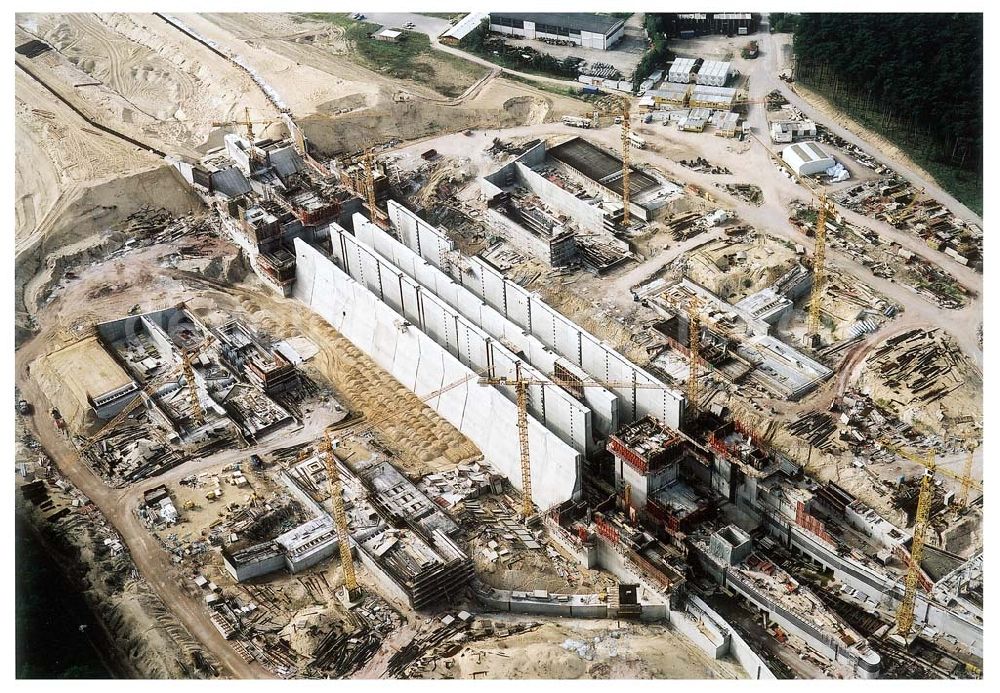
column 340, row 19
column 412, row 57
column 570, row 92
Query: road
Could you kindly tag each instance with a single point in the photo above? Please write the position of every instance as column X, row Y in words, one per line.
column 118, row 506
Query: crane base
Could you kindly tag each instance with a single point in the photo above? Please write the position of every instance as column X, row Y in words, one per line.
column 350, row 599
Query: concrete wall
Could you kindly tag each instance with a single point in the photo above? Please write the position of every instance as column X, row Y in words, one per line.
column 484, row 414
column 441, row 314
column 586, row 215
column 751, row 662
column 602, row 403
column 529, row 312
column 886, row 592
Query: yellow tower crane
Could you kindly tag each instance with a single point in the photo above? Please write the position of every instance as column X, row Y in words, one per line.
column 351, row 587
column 136, row 401
column 694, row 346
column 963, row 499
column 819, row 249
column 369, row 166
column 248, row 123
column 520, row 385
column 196, row 409
column 904, row 614
column 819, row 271
column 618, row 107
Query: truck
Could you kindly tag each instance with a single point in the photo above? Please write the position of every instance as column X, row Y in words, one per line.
column 576, row 121
column 750, row 50
column 636, row 141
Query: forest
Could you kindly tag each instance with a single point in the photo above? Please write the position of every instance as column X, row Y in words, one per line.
column 915, row 78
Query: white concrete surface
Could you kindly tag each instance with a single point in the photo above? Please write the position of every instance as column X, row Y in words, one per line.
column 529, row 312
column 483, row 414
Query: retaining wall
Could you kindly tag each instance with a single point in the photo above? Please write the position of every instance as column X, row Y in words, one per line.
column 483, row 414
column 529, row 312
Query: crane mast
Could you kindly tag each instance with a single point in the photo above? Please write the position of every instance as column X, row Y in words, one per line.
column 819, row 271
column 694, row 344
column 369, row 162
column 340, row 520
column 626, row 159
column 521, row 386
column 197, row 411
column 904, row 615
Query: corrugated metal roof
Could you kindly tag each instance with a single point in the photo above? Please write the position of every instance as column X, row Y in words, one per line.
column 230, row 182
column 465, row 26
column 594, row 23
column 286, row 162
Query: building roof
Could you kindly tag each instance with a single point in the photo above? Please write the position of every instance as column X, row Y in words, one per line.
column 465, row 25
column 390, row 33
column 286, row 161
column 230, row 182
column 593, row 23
column 805, row 152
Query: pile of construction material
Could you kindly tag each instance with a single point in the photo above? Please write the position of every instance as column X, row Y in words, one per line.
column 824, row 136
column 746, row 192
column 704, row 166
column 894, row 200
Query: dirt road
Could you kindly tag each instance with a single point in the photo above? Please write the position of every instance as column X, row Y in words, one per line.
column 149, row 556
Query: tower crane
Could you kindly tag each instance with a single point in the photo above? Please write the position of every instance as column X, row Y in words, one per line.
column 246, row 122
column 520, row 385
column 199, row 413
column 618, row 107
column 904, row 614
column 351, row 587
column 694, row 337
column 369, row 165
column 819, row 247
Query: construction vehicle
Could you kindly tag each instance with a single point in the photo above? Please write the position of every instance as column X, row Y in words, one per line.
column 351, row 587
column 57, row 419
column 520, row 385
column 577, row 122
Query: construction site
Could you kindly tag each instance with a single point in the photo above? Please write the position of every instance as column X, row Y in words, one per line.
column 481, row 374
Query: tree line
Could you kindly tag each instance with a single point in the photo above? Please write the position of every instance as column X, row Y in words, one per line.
column 918, row 78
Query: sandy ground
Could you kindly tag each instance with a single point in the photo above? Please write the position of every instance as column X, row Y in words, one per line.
column 621, row 651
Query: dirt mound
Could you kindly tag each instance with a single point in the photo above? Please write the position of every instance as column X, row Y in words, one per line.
column 83, row 227
column 528, row 110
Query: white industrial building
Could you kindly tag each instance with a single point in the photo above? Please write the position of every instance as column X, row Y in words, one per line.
column 785, row 131
column 680, row 71
column 463, row 27
column 807, row 158
column 713, row 73
column 584, row 29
